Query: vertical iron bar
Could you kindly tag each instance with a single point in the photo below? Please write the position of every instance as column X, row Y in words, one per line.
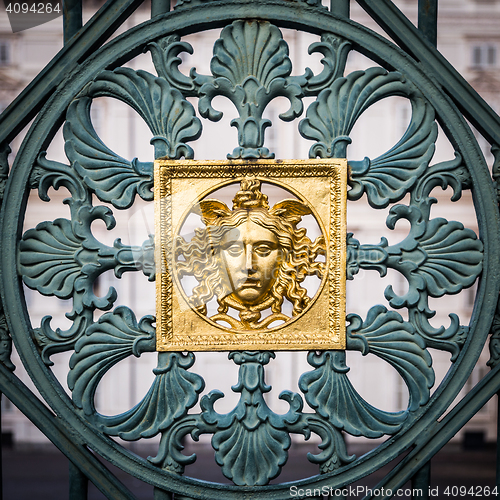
column 78, row 483
column 421, row 482
column 498, row 444
column 427, row 19
column 1, row 450
column 53, row 428
column 409, row 38
column 162, row 495
column 72, row 18
column 95, row 32
column 340, row 7
column 159, row 7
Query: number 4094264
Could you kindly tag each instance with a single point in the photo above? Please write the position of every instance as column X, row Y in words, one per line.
column 477, row 491
column 33, row 8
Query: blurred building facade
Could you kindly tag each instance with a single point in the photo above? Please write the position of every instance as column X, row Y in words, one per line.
column 468, row 37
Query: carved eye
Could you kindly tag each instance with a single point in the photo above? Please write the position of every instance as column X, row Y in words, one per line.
column 234, row 250
column 263, row 250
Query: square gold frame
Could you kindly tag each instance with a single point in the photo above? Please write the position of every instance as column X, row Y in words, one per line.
column 322, row 183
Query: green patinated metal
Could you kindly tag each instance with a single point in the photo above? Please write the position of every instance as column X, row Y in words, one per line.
column 250, row 67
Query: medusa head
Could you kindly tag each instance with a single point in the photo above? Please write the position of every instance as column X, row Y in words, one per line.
column 250, row 258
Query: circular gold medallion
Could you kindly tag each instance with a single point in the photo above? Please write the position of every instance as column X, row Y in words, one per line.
column 254, row 266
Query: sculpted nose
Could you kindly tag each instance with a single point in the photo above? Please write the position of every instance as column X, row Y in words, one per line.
column 249, row 261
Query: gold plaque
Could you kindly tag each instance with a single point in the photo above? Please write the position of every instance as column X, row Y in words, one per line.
column 250, row 255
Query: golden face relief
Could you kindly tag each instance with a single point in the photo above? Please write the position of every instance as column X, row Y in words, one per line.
column 250, row 259
column 251, row 256
column 239, row 272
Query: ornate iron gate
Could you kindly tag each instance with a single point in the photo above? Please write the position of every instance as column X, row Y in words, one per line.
column 250, row 67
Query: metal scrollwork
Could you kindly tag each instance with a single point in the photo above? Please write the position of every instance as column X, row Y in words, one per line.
column 495, row 342
column 250, row 67
column 4, row 167
column 5, row 338
column 251, row 442
column 5, row 343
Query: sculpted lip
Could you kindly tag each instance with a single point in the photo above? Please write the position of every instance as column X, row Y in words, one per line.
column 250, row 283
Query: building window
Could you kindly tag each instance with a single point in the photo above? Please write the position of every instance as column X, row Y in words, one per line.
column 403, row 116
column 484, row 55
column 6, row 405
column 485, row 149
column 4, row 52
column 96, row 117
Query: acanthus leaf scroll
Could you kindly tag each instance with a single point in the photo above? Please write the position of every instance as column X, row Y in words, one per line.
column 251, row 82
